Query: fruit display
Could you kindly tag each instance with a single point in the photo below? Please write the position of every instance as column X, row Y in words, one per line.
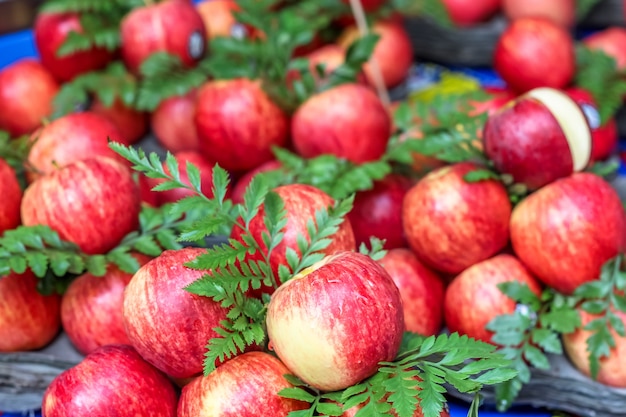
column 247, row 208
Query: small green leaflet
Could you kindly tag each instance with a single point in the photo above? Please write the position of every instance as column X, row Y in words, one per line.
column 14, row 151
column 99, row 30
column 432, row 9
column 583, row 7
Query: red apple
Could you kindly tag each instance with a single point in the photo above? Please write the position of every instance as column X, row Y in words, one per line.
column 422, row 291
column 172, row 122
column 473, row 298
column 91, row 309
column 561, row 12
column 535, row 52
column 568, row 229
column 147, row 196
column 242, row 183
column 51, row 30
column 334, row 322
column 26, row 93
column 378, row 212
column 301, row 202
column 132, row 124
column 611, row 41
column 111, row 381
column 543, row 128
column 11, row 198
column 393, row 52
column 246, row 386
column 450, row 223
column 219, row 18
column 498, row 98
column 331, row 56
column 348, row 121
column 93, row 203
column 72, row 138
column 612, row 371
column 171, row 26
column 206, row 178
column 471, row 12
column 169, row 326
column 238, row 124
column 603, row 137
column 28, row 319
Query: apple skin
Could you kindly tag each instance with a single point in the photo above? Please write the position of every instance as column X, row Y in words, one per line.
column 332, row 324
column 473, row 298
column 393, row 52
column 132, row 124
column 11, row 198
column 604, row 137
column 50, row 31
column 612, row 41
column 561, row 12
column 69, row 139
column 238, row 124
column 568, row 229
column 242, row 183
column 527, row 134
column 348, row 121
column 246, row 386
column 470, row 12
column 26, row 93
column 535, row 52
column 93, row 203
column 206, row 178
column 172, row 26
column 378, row 212
column 91, row 309
column 612, row 371
column 421, row 289
column 169, row 326
column 301, row 202
column 451, row 224
column 28, row 319
column 111, row 381
column 219, row 18
column 173, row 125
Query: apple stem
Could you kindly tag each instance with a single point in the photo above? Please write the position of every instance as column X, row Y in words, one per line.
column 361, row 23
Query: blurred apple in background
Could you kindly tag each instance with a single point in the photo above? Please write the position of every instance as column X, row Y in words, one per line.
column 561, row 12
column 51, row 31
column 378, row 212
column 451, row 224
column 131, row 124
column 348, row 121
column 568, row 229
column 242, row 183
column 11, row 198
column 72, row 138
column 238, row 124
column 93, row 203
column 91, row 309
column 473, row 298
column 28, row 319
column 611, row 41
column 422, row 291
column 111, row 381
column 535, row 52
column 334, row 322
column 246, row 386
column 172, row 26
column 393, row 52
column 173, row 125
column 470, row 12
column 26, row 93
column 169, row 326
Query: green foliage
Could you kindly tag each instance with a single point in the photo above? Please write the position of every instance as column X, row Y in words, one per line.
column 338, row 177
column 56, row 261
column 14, row 151
column 531, row 331
column 604, row 169
column 597, row 73
column 583, row 7
column 376, row 249
column 107, row 85
column 604, row 297
column 434, row 10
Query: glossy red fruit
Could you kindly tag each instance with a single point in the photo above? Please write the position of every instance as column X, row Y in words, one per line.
column 11, row 201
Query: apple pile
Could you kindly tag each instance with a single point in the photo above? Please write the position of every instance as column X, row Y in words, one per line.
column 352, row 226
